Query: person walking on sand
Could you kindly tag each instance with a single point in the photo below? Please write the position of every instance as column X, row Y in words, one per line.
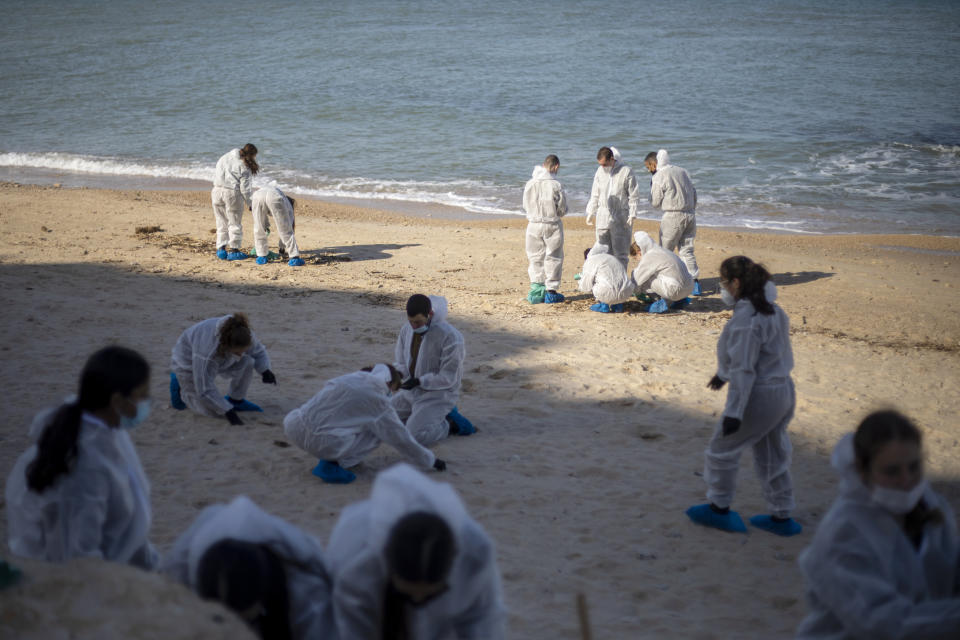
column 232, row 187
column 223, row 346
column 614, row 198
column 348, row 418
column 545, row 204
column 272, row 201
column 755, row 357
column 429, row 354
column 671, row 190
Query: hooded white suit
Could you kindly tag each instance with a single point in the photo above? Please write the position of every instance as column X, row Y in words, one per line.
column 754, row 356
column 348, row 419
column 472, row 608
column 614, row 199
column 660, row 271
column 605, row 277
column 672, row 191
column 232, row 187
column 272, row 201
column 308, row 584
column 545, row 204
column 439, row 367
column 865, row 579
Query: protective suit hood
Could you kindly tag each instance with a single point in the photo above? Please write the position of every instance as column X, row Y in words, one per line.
column 540, row 173
column 616, row 157
column 643, row 240
column 438, row 304
column 598, row 249
column 844, row 463
column 770, row 291
column 382, row 373
column 663, row 159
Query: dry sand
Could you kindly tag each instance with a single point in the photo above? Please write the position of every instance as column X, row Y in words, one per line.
column 592, row 426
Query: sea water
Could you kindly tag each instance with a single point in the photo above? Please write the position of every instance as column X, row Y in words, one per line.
column 808, row 116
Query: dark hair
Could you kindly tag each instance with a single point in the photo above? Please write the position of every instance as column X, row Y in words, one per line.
column 753, row 277
column 551, row 161
column 110, row 370
column 420, row 548
column 293, row 203
column 586, row 253
column 418, row 304
column 651, row 156
column 395, row 377
column 604, row 154
column 243, row 574
column 877, row 430
column 234, row 332
column 248, row 154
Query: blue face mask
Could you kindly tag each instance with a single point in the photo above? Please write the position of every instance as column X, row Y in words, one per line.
column 422, row 329
column 143, row 411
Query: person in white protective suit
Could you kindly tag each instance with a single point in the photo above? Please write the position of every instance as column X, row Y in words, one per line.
column 606, row 278
column 271, row 201
column 885, row 560
column 267, row 570
column 672, row 191
column 661, row 272
column 80, row 490
column 545, row 205
column 429, row 355
column 755, row 357
column 350, row 417
column 409, row 562
column 223, row 346
column 232, row 187
column 614, row 198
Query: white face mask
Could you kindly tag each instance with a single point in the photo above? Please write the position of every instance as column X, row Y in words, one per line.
column 727, row 297
column 143, row 410
column 898, row 502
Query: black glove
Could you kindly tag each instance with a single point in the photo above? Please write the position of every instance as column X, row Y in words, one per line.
column 269, row 378
column 730, row 425
column 439, row 465
column 232, row 417
column 410, row 383
column 716, row 383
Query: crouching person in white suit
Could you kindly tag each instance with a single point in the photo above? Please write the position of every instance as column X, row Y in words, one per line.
column 271, row 201
column 661, row 272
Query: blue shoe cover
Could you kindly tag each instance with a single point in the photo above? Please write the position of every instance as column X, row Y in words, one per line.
column 697, row 291
column 175, row 400
column 551, row 298
column 296, row 262
column 601, row 307
column 261, row 259
column 729, row 521
column 660, row 306
column 617, row 308
column 330, row 471
column 680, row 304
column 243, row 405
column 789, row 528
column 465, row 427
column 237, row 255
column 222, row 254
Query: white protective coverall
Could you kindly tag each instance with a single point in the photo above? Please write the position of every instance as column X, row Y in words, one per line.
column 232, row 187
column 349, row 418
column 271, row 201
column 100, row 508
column 308, row 583
column 197, row 365
column 671, row 190
column 545, row 205
column 755, row 358
column 439, row 367
column 660, row 271
column 864, row 577
column 605, row 277
column 614, row 199
column 472, row 608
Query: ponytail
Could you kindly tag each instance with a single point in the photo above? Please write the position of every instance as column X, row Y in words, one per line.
column 108, row 371
column 753, row 278
column 248, row 154
column 234, row 332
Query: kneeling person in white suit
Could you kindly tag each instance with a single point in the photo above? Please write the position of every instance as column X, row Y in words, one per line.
column 272, row 201
column 349, row 418
column 606, row 278
column 661, row 272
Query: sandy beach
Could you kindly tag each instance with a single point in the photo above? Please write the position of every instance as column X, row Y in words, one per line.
column 592, row 426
